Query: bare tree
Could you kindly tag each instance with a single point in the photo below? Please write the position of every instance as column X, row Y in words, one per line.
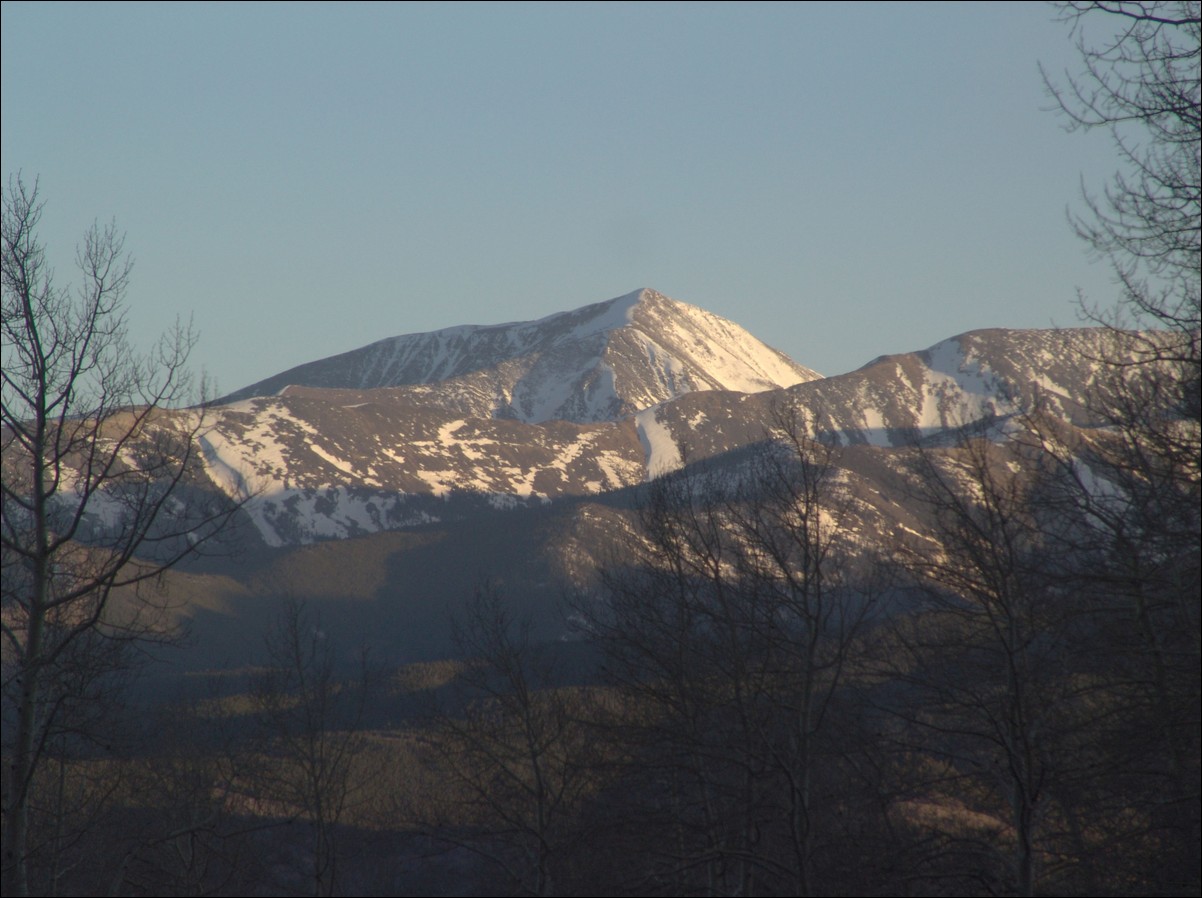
column 1139, row 485
column 676, row 632
column 513, row 750
column 729, row 621
column 312, row 741
column 995, row 674
column 96, row 497
column 793, row 557
column 1125, row 506
column 1140, row 81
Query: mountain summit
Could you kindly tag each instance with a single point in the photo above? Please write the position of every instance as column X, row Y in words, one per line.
column 601, row 362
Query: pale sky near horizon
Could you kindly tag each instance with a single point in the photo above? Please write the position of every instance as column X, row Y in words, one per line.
column 842, row 180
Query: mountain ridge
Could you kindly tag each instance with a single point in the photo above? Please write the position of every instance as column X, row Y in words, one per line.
column 599, row 362
column 340, row 462
column 454, row 464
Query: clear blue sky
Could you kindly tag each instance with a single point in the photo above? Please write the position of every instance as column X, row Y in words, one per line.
column 844, row 180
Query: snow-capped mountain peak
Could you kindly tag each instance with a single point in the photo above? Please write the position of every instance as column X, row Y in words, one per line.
column 600, row 362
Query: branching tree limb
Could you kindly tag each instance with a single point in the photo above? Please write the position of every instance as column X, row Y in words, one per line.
column 96, row 491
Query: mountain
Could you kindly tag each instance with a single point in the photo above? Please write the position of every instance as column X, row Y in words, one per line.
column 393, row 477
column 896, row 399
column 340, row 462
column 601, row 362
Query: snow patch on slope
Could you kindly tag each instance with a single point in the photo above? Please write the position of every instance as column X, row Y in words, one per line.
column 660, row 448
column 959, row 389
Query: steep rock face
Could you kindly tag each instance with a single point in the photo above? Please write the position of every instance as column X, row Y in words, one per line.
column 601, row 362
